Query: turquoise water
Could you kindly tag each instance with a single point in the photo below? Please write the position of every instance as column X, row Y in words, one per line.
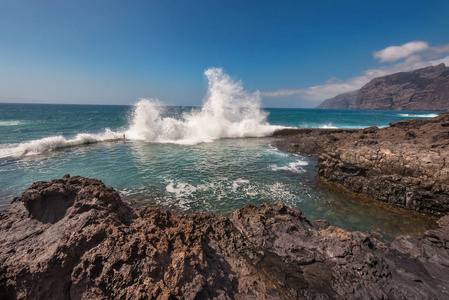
column 213, row 158
column 217, row 176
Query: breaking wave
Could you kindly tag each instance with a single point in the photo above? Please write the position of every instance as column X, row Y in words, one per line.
column 10, row 123
column 228, row 112
column 328, row 126
column 419, row 116
column 52, row 143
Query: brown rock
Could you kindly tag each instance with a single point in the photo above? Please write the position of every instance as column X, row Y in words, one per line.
column 405, row 164
column 73, row 238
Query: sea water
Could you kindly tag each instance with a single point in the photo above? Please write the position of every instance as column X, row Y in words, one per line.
column 216, row 158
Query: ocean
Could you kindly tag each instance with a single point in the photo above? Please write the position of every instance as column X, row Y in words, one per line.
column 216, row 158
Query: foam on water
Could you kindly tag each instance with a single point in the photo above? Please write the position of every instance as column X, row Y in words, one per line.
column 228, row 112
column 292, row 167
column 180, row 189
column 238, row 183
column 328, row 126
column 58, row 142
column 10, row 123
column 419, row 116
column 184, row 196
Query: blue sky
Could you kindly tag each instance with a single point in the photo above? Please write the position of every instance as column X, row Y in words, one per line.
column 296, row 53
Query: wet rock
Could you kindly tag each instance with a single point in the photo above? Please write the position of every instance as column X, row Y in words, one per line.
column 405, row 164
column 74, row 238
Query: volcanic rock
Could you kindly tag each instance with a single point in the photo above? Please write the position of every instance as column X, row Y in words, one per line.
column 74, row 238
column 406, row 164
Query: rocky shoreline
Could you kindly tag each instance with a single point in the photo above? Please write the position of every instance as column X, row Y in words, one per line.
column 74, row 238
column 406, row 164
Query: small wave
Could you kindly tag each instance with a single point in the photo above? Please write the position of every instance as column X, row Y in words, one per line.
column 53, row 143
column 276, row 151
column 328, row 126
column 293, row 167
column 11, row 123
column 419, row 116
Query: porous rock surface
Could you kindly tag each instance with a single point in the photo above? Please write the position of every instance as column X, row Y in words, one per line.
column 406, row 164
column 74, row 238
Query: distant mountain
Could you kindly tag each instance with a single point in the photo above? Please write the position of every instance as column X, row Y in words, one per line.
column 422, row 89
column 342, row 101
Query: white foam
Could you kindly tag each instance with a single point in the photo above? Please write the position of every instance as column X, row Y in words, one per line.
column 328, row 126
column 180, row 189
column 52, row 143
column 419, row 116
column 293, row 167
column 228, row 112
column 238, row 183
column 10, row 123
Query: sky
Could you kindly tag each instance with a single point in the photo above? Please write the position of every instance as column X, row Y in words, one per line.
column 296, row 53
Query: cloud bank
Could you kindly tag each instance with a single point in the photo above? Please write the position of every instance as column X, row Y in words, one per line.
column 393, row 53
column 407, row 57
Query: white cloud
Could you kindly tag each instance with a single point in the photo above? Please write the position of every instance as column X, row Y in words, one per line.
column 334, row 87
column 393, row 53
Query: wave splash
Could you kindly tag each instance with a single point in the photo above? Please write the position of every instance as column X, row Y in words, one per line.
column 228, row 112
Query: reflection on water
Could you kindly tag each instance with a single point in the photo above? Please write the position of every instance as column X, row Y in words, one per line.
column 358, row 212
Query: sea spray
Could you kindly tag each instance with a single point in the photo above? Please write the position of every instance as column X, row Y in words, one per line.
column 228, row 112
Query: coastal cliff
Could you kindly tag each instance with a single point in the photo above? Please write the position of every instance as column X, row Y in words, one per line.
column 422, row 89
column 74, row 238
column 405, row 164
column 342, row 101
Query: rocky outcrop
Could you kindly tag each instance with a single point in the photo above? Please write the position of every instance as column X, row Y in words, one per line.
column 422, row 89
column 73, row 238
column 342, row 101
column 406, row 164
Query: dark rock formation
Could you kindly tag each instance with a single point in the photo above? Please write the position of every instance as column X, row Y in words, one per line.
column 422, row 89
column 342, row 101
column 406, row 164
column 73, row 238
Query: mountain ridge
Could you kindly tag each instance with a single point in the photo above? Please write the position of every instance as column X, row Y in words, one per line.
column 421, row 89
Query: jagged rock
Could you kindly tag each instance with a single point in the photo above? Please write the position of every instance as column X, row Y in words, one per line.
column 422, row 89
column 73, row 238
column 405, row 164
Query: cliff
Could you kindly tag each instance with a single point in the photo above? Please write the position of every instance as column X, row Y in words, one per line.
column 342, row 101
column 422, row 89
column 74, row 238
